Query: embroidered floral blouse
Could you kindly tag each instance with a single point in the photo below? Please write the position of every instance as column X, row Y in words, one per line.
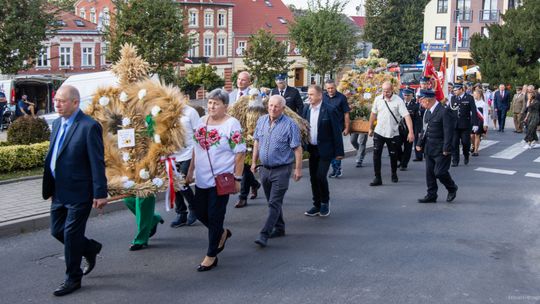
column 223, row 142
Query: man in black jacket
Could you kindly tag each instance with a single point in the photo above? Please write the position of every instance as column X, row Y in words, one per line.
column 501, row 103
column 414, row 111
column 437, row 144
column 293, row 100
column 464, row 106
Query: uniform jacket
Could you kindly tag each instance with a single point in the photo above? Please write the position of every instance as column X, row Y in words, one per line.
column 292, row 99
column 465, row 109
column 80, row 166
column 329, row 137
column 437, row 137
column 518, row 102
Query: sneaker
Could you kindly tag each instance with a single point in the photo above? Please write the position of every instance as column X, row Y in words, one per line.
column 191, row 219
column 325, row 210
column 181, row 220
column 333, row 174
column 339, row 173
column 359, row 165
column 314, row 211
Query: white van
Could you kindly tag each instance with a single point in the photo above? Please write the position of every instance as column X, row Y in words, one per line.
column 40, row 90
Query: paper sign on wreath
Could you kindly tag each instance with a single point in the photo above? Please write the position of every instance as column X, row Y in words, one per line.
column 126, row 138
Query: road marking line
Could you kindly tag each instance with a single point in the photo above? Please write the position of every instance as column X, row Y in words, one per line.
column 511, row 152
column 498, row 171
column 537, row 160
column 486, row 143
column 535, row 175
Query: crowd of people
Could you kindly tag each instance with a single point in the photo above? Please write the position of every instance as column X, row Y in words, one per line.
column 417, row 123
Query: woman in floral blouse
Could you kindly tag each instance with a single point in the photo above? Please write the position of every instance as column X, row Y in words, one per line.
column 218, row 138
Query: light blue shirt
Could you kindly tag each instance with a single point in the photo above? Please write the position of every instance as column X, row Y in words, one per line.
column 278, row 141
column 68, row 122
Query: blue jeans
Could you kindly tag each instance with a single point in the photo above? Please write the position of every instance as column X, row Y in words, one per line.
column 336, row 165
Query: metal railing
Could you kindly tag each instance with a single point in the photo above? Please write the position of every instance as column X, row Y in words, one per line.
column 489, row 15
column 463, row 15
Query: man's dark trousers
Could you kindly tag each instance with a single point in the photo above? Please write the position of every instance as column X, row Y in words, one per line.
column 275, row 183
column 437, row 167
column 318, row 168
column 186, row 193
column 248, row 181
column 393, row 145
column 463, row 135
column 501, row 117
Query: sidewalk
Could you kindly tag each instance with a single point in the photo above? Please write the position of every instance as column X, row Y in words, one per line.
column 23, row 210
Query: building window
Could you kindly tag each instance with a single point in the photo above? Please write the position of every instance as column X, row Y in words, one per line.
column 82, row 13
column 65, row 56
column 288, row 47
column 93, row 15
column 485, row 32
column 463, row 11
column 208, row 19
column 440, row 33
column 87, row 56
column 42, row 59
column 442, row 6
column 222, row 19
column 465, row 38
column 221, row 50
column 241, row 48
column 193, row 18
column 106, row 16
column 104, row 51
column 514, row 3
column 194, row 50
column 208, row 46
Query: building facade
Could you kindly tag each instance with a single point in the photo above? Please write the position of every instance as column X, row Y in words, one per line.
column 441, row 19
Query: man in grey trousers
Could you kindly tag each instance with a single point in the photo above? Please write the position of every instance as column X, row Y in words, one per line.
column 277, row 144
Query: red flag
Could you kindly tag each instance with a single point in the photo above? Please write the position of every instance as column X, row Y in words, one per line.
column 429, row 68
column 432, row 73
column 459, row 34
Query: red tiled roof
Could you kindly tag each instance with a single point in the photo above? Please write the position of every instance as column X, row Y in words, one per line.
column 359, row 21
column 70, row 25
column 251, row 15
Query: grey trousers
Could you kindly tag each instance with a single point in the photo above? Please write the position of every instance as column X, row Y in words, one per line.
column 358, row 141
column 275, row 183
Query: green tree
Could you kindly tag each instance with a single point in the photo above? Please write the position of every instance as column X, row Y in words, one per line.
column 324, row 36
column 395, row 27
column 156, row 27
column 266, row 57
column 204, row 76
column 24, row 25
column 67, row 5
column 510, row 54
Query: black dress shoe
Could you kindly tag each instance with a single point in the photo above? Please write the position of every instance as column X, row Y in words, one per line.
column 136, row 247
column 277, row 233
column 403, row 169
column 229, row 234
column 241, row 203
column 417, row 160
column 90, row 260
column 466, row 160
column 261, row 241
column 451, row 196
column 202, row 268
column 376, row 182
column 66, row 288
column 427, row 199
column 154, row 229
column 394, row 178
column 454, row 164
column 254, row 191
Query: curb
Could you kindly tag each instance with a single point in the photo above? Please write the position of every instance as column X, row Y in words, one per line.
column 42, row 221
column 20, row 179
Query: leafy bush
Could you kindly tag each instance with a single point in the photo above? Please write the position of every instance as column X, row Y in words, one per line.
column 28, row 130
column 20, row 157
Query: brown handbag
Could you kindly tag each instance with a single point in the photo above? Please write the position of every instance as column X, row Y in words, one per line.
column 225, row 182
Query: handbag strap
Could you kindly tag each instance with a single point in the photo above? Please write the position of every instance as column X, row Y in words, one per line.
column 386, row 103
column 208, row 153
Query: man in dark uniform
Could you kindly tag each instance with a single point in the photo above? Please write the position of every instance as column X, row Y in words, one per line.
column 414, row 110
column 437, row 144
column 291, row 95
column 465, row 108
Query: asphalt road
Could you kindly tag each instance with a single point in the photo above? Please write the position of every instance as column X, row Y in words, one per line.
column 377, row 246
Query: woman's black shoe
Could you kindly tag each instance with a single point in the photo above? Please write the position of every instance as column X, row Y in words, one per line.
column 202, row 268
column 154, row 229
column 136, row 247
column 229, row 234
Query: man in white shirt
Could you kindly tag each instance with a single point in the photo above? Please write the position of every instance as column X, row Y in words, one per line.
column 243, row 83
column 388, row 109
column 189, row 121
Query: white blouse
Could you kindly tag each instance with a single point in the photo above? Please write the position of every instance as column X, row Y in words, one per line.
column 222, row 142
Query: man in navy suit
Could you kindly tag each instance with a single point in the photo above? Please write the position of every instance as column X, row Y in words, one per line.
column 501, row 102
column 75, row 179
column 325, row 144
column 292, row 97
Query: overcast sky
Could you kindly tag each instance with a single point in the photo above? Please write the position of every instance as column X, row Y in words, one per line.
column 350, row 9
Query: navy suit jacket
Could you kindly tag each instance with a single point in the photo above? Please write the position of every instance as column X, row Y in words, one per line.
column 292, row 99
column 501, row 102
column 80, row 166
column 329, row 137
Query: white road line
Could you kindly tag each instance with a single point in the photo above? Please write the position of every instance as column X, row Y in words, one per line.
column 498, row 171
column 486, row 143
column 511, row 152
column 537, row 160
column 535, row 175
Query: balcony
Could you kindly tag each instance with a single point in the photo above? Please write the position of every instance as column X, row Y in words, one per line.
column 198, row 60
column 464, row 16
column 464, row 43
column 489, row 15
